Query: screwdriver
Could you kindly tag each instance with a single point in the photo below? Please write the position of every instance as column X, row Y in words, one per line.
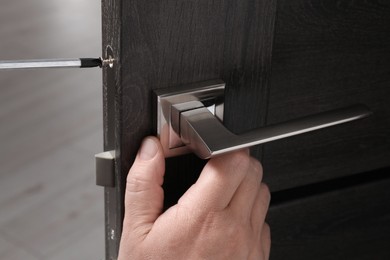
column 56, row 63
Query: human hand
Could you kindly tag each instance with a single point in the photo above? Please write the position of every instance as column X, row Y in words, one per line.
column 220, row 217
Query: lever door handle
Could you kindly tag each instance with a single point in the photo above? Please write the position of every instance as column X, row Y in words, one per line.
column 189, row 120
column 203, row 133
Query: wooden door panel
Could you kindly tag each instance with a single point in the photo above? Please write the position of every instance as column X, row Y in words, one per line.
column 161, row 44
column 348, row 223
column 176, row 42
column 326, row 55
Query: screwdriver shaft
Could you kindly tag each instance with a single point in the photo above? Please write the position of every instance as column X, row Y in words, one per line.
column 51, row 63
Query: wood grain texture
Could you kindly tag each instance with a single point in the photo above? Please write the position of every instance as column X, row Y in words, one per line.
column 112, row 122
column 324, row 54
column 349, row 223
column 329, row 54
column 175, row 42
column 170, row 43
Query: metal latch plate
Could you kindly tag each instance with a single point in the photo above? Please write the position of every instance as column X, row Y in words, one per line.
column 105, row 169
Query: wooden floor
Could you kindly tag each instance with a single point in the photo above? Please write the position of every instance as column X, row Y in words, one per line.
column 50, row 128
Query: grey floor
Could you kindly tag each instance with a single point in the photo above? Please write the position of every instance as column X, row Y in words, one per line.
column 50, row 128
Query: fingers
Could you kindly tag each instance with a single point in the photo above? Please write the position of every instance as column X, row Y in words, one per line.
column 266, row 241
column 217, row 183
column 260, row 207
column 243, row 200
column 262, row 245
column 144, row 195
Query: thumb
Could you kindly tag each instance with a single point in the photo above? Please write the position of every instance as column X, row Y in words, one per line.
column 144, row 195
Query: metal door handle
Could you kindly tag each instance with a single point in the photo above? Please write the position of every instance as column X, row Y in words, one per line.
column 195, row 125
column 202, row 132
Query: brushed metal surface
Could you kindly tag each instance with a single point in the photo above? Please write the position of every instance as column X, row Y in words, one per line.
column 189, row 119
column 208, row 137
column 184, row 98
column 47, row 63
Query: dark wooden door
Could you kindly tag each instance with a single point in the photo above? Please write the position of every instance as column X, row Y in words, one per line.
column 280, row 60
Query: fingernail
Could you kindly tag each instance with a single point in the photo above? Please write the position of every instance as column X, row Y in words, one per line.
column 148, row 149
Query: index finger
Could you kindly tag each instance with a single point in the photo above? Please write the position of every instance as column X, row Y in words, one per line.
column 217, row 183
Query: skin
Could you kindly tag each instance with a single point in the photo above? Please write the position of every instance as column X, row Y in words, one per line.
column 222, row 216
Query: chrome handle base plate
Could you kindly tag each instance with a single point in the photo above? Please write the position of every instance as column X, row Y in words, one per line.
column 171, row 102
